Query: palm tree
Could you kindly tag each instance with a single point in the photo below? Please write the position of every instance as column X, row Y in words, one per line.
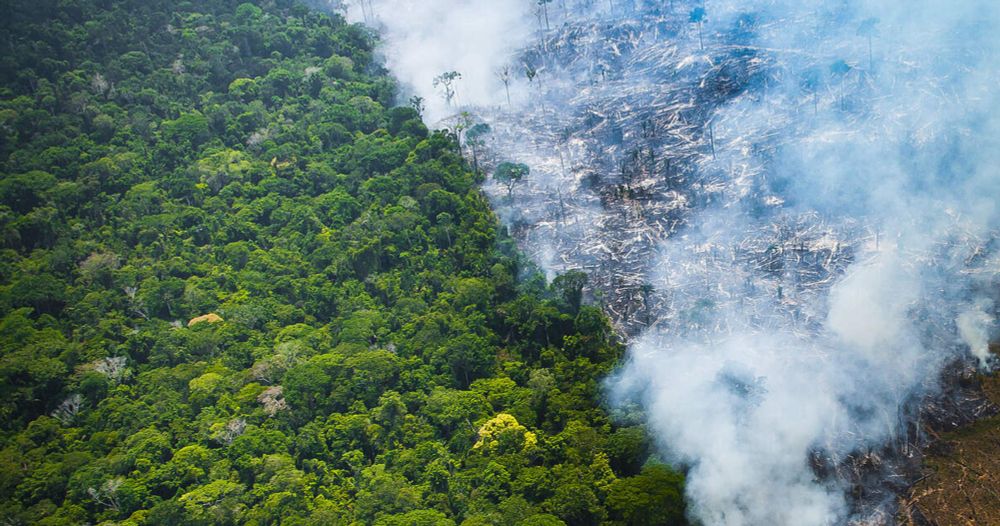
column 698, row 17
column 868, row 29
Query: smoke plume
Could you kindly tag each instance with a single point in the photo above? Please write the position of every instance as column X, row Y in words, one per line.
column 424, row 39
column 794, row 201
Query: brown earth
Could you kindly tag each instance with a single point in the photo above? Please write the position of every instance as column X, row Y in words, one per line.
column 961, row 479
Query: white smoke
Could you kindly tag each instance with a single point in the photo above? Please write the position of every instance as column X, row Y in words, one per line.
column 731, row 412
column 974, row 327
column 904, row 140
column 422, row 39
column 868, row 308
column 756, row 389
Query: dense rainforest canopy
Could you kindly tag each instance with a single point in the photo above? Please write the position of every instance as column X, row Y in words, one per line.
column 238, row 286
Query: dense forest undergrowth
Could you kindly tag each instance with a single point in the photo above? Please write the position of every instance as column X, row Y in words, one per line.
column 238, row 286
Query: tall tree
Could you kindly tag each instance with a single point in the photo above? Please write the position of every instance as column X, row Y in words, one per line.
column 446, row 82
column 509, row 174
column 697, row 16
column 869, row 29
column 475, row 138
column 504, row 75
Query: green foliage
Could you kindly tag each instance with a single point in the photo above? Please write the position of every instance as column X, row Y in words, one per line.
column 651, row 498
column 509, row 174
column 370, row 350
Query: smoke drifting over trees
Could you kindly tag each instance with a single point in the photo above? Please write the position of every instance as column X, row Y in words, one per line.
column 830, row 201
column 424, row 40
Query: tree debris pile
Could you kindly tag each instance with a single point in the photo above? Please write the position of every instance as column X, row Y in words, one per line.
column 625, row 155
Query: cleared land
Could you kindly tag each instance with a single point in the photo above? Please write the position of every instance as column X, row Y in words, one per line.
column 962, row 475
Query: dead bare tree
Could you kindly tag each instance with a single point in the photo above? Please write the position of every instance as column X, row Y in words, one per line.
column 504, row 75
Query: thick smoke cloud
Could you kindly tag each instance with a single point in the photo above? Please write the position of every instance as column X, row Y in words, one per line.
column 424, row 39
column 903, row 139
column 871, row 135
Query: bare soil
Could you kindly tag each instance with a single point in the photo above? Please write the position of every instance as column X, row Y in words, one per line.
column 961, row 480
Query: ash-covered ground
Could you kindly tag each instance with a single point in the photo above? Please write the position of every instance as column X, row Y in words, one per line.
column 788, row 209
